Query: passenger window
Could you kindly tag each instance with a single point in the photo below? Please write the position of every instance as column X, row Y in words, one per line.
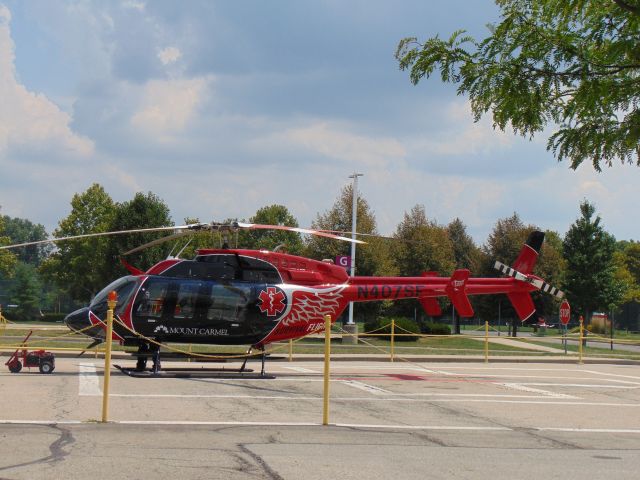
column 186, row 300
column 228, row 303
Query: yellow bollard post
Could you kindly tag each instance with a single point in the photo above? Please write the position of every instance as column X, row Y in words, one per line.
column 581, row 339
column 486, row 341
column 393, row 336
column 112, row 299
column 291, row 350
column 327, row 355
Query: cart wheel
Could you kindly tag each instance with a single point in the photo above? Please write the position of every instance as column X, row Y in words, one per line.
column 15, row 367
column 46, row 366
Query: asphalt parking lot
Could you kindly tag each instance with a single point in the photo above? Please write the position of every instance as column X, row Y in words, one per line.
column 444, row 420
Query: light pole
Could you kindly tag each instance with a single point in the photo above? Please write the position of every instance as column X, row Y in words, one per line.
column 354, row 221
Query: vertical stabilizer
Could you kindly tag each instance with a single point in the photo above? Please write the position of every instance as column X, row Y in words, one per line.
column 528, row 257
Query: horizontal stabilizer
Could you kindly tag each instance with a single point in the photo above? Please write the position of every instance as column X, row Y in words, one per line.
column 456, row 290
column 431, row 306
column 522, row 304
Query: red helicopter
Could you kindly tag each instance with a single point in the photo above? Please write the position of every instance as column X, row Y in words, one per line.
column 233, row 296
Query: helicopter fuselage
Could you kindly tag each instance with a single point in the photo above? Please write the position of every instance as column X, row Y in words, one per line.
column 249, row 297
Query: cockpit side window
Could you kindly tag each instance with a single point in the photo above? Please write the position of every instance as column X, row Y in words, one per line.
column 150, row 299
column 124, row 288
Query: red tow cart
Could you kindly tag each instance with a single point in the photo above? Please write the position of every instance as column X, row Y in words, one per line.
column 45, row 361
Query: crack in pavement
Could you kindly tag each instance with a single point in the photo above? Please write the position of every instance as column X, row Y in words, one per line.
column 271, row 474
column 56, row 449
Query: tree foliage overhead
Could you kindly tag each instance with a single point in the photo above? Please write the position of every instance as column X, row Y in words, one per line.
column 572, row 63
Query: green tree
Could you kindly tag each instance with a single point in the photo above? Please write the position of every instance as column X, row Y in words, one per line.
column 20, row 230
column 372, row 258
column 590, row 283
column 26, row 292
column 7, row 258
column 503, row 244
column 270, row 239
column 78, row 266
column 627, row 269
column 423, row 245
column 622, row 275
column 465, row 252
column 632, row 260
column 143, row 211
column 574, row 63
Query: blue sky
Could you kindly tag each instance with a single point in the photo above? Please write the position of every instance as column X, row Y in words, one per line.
column 223, row 107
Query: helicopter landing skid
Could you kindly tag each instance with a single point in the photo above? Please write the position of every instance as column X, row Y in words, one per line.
column 194, row 372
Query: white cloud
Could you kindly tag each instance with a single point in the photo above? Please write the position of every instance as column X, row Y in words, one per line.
column 168, row 105
column 466, row 137
column 169, row 55
column 30, row 120
column 335, row 141
column 134, row 5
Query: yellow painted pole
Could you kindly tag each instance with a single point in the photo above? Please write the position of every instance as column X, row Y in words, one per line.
column 393, row 336
column 111, row 304
column 327, row 356
column 291, row 350
column 486, row 341
column 580, row 342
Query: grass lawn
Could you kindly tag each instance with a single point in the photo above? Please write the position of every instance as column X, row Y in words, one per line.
column 52, row 338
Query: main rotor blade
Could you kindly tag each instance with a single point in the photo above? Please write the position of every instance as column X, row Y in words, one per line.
column 320, row 233
column 159, row 241
column 103, row 234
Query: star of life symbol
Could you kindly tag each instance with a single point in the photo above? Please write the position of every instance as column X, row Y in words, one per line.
column 272, row 301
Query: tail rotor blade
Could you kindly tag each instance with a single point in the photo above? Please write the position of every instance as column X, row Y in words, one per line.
column 536, row 282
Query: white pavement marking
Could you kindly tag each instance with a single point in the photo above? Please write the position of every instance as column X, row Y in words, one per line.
column 579, row 385
column 89, row 385
column 394, row 398
column 303, row 424
column 589, row 430
column 301, row 370
column 522, row 388
column 615, row 375
column 367, row 387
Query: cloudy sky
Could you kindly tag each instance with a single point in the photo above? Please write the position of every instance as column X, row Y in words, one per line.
column 222, row 107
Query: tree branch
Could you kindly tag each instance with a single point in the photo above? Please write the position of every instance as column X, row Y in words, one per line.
column 629, row 8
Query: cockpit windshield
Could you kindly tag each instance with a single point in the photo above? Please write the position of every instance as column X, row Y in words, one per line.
column 124, row 287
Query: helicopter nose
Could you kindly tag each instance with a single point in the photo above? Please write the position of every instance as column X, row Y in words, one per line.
column 78, row 321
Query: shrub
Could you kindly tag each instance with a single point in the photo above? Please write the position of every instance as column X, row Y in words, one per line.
column 433, row 328
column 53, row 317
column 403, row 325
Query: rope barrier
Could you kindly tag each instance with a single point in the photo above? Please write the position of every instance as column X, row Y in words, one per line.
column 37, row 343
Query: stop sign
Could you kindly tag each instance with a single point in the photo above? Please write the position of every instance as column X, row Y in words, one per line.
column 565, row 312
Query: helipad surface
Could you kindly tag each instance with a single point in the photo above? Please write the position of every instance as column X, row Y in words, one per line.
column 452, row 420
